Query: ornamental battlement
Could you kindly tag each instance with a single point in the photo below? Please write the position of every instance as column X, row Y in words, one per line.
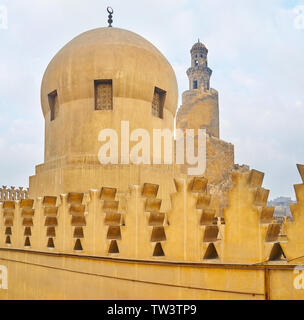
column 13, row 193
column 142, row 223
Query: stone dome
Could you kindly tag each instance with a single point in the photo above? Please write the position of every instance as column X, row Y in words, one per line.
column 199, row 46
column 134, row 65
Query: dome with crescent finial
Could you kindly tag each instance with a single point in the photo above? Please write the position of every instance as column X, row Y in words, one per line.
column 100, row 78
column 133, row 64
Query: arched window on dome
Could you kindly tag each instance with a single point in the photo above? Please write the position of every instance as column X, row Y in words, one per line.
column 196, row 62
column 54, row 104
column 103, row 95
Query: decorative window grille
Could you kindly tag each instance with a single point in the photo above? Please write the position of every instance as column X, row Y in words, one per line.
column 158, row 102
column 103, row 95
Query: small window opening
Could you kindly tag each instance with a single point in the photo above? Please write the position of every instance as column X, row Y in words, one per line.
column 78, row 246
column 27, row 242
column 114, row 233
column 277, row 253
column 8, row 231
column 158, row 234
column 50, row 243
column 51, row 232
column 211, row 253
column 113, row 247
column 103, row 95
column 54, row 104
column 27, row 232
column 195, row 84
column 158, row 250
column 158, row 102
column 78, row 233
column 8, row 240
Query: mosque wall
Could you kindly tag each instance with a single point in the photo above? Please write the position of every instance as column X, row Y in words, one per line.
column 157, row 242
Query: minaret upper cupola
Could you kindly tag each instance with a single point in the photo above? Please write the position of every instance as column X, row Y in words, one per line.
column 199, row 74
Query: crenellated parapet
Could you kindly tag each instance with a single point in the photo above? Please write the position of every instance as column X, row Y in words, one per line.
column 77, row 209
column 156, row 220
column 294, row 249
column 27, row 213
column 146, row 223
column 11, row 194
column 50, row 211
column 251, row 233
column 113, row 218
column 8, row 210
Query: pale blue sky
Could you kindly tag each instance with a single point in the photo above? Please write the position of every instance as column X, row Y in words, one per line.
column 255, row 51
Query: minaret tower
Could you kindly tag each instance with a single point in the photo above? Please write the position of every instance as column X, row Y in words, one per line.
column 200, row 108
column 199, row 74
